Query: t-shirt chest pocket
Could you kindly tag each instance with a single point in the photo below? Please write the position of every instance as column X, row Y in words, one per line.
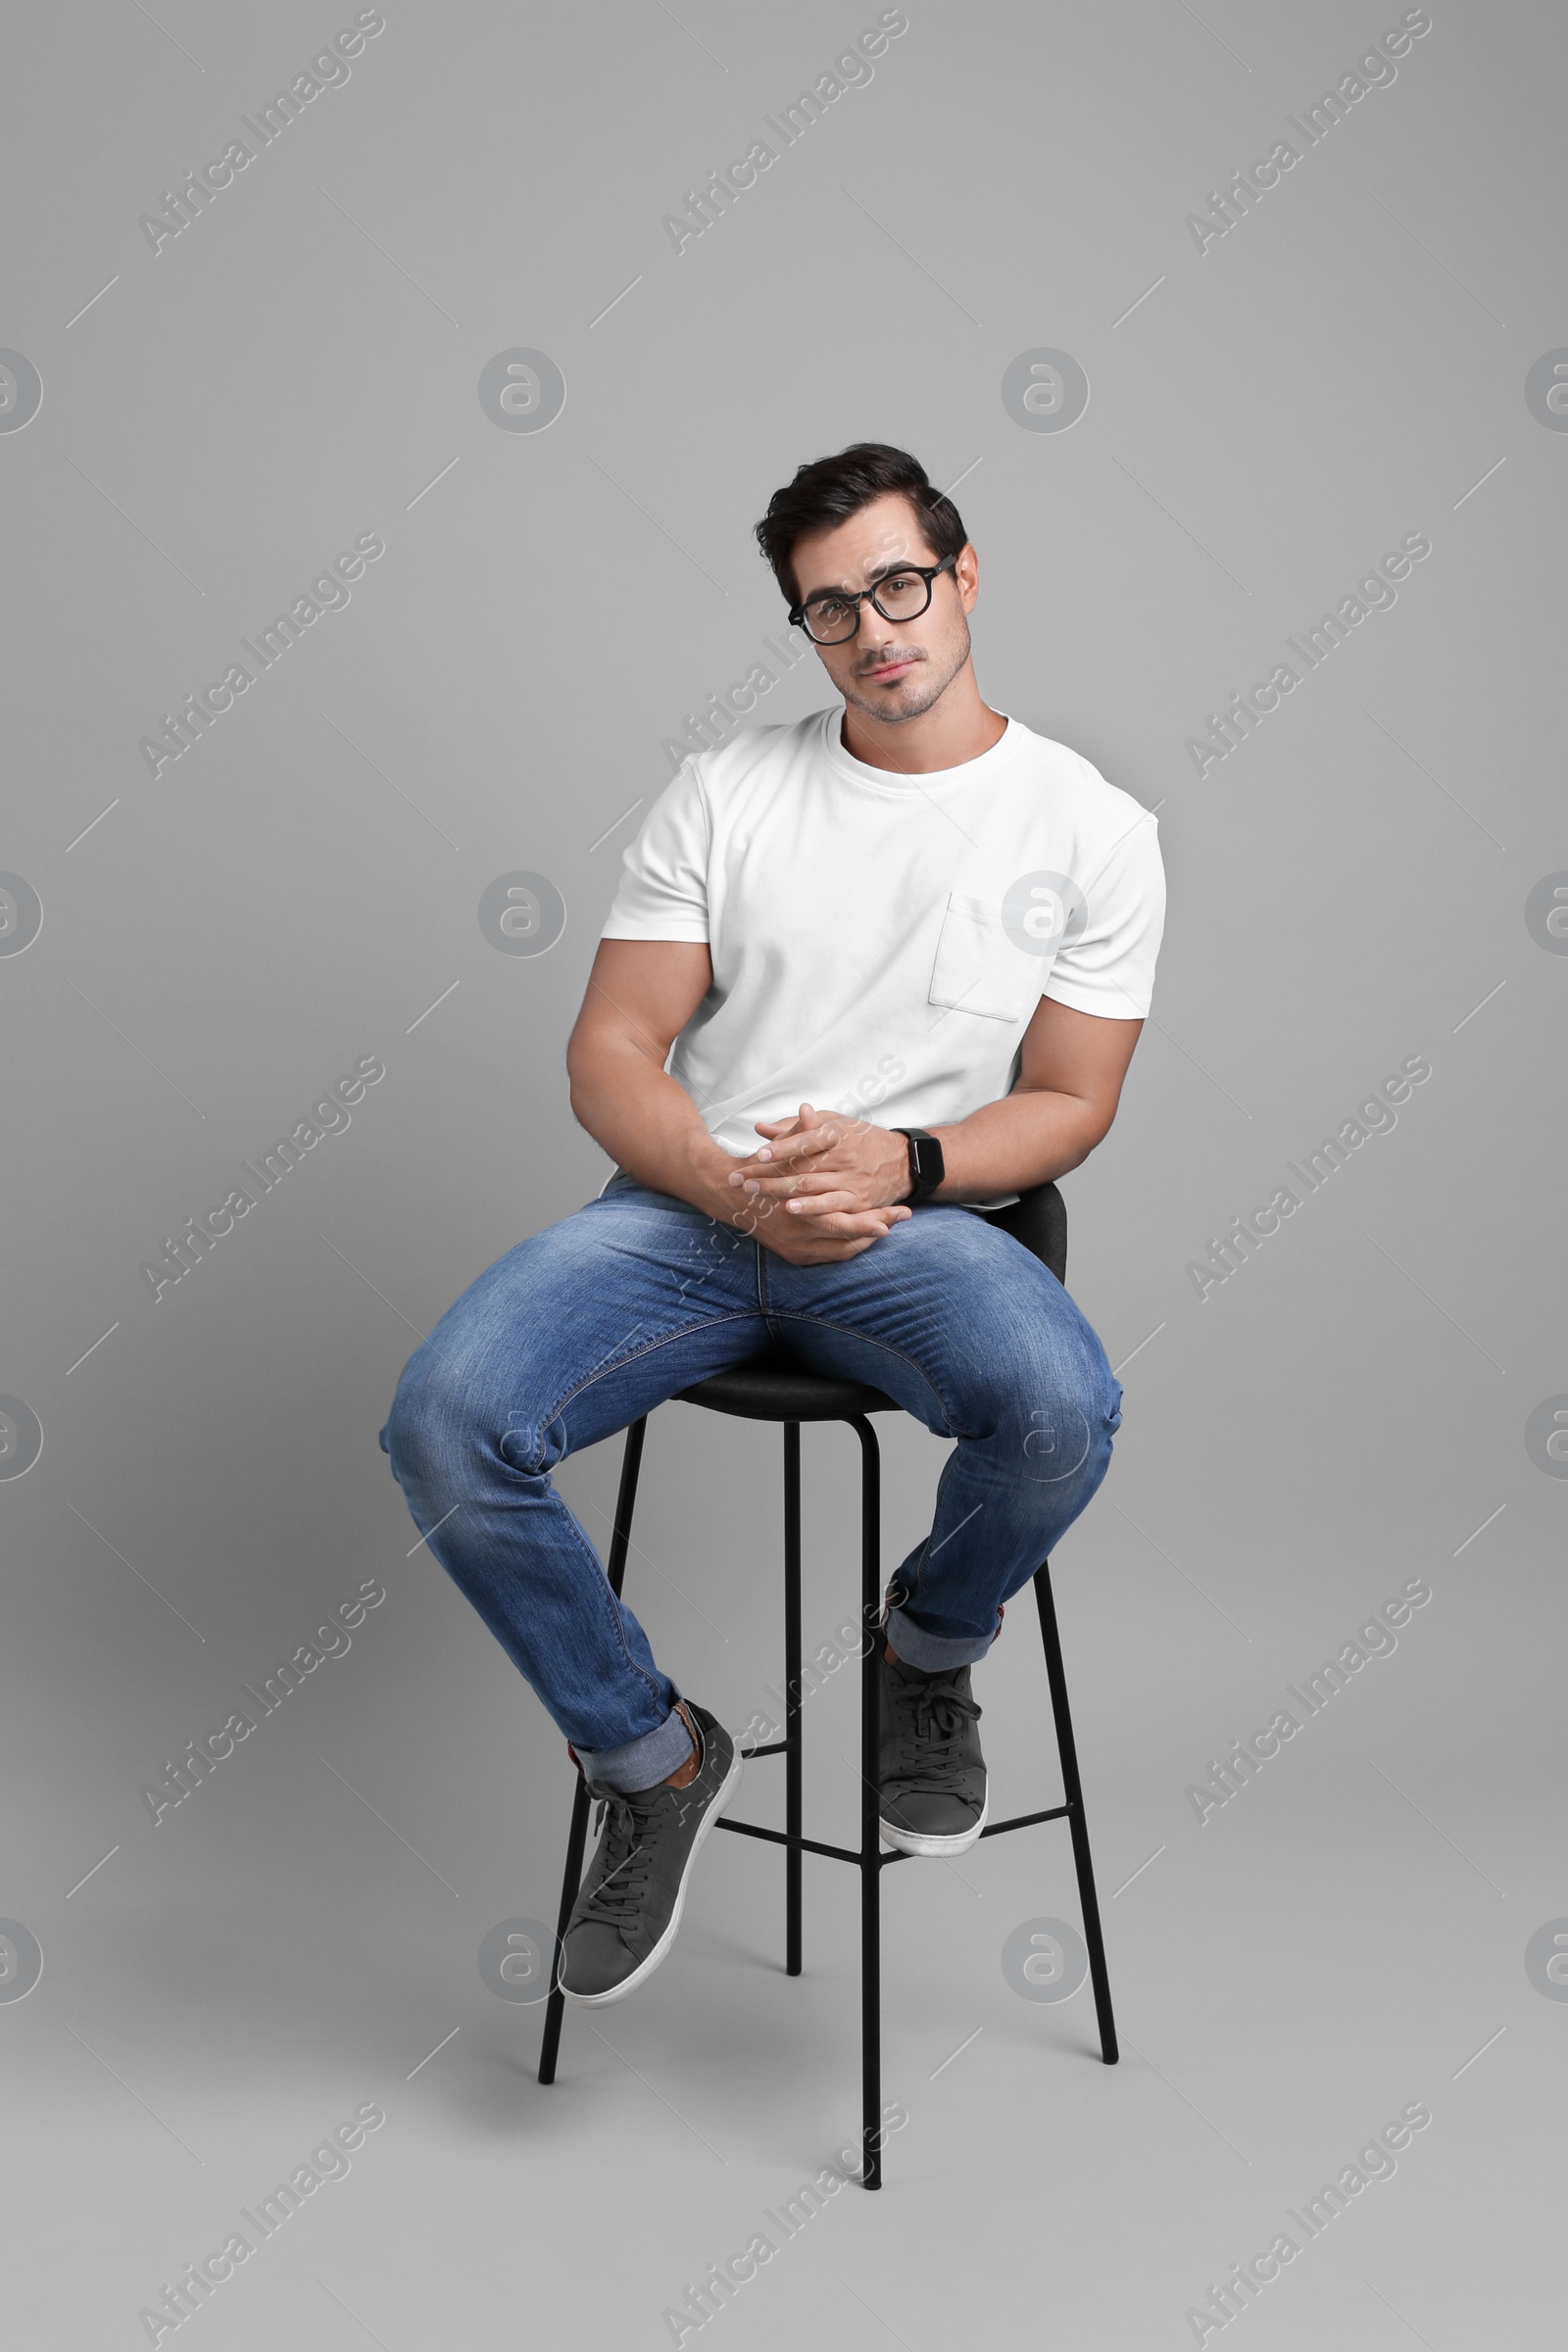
column 977, row 968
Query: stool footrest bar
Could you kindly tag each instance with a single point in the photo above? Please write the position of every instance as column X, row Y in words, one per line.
column 1026, row 1821
column 802, row 1845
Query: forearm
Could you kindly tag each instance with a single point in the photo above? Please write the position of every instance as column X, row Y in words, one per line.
column 1024, row 1139
column 651, row 1127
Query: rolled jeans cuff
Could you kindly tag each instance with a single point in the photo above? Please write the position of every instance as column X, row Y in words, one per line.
column 641, row 1762
column 933, row 1653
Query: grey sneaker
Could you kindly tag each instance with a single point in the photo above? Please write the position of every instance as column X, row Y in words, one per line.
column 931, row 1774
column 626, row 1914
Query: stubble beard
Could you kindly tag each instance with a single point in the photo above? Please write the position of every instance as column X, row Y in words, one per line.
column 923, row 690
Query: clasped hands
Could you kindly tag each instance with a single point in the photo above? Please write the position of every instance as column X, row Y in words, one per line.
column 822, row 1187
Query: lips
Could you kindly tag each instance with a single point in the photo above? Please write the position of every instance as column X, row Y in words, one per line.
column 888, row 671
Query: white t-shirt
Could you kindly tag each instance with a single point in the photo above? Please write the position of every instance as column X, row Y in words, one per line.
column 879, row 942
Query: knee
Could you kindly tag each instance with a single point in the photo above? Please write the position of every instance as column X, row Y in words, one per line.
column 421, row 1408
column 1059, row 1413
column 445, row 1424
column 455, row 1419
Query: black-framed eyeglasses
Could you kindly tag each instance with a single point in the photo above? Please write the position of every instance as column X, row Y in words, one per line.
column 833, row 616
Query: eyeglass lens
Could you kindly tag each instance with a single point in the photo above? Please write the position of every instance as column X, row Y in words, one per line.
column 902, row 595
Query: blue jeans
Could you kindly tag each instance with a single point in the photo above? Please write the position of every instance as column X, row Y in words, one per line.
column 593, row 1322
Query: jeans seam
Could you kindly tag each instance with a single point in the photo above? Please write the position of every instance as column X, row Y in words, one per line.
column 619, row 1362
column 827, row 1323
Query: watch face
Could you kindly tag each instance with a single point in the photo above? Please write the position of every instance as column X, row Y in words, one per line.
column 926, row 1152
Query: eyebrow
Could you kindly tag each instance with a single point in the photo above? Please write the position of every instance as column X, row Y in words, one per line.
column 904, row 563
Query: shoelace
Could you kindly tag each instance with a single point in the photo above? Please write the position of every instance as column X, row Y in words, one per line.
column 930, row 1722
column 628, row 1855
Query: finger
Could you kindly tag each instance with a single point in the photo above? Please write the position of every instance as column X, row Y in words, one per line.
column 826, row 1254
column 833, row 1202
column 764, row 1160
column 848, row 1220
column 810, row 1180
column 806, row 1143
column 810, row 1121
column 805, row 1172
column 819, row 1176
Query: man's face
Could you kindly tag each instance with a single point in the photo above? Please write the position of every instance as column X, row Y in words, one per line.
column 890, row 669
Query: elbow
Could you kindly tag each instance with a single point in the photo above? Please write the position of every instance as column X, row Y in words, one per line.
column 1091, row 1129
column 579, row 1093
column 578, row 1089
column 596, row 1073
column 579, row 1060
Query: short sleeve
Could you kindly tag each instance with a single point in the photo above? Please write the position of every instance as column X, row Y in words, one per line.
column 1109, row 969
column 663, row 878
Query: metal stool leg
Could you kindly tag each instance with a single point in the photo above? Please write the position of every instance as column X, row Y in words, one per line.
column 555, row 2007
column 792, row 1695
column 870, row 1835
column 577, row 1838
column 1073, row 1790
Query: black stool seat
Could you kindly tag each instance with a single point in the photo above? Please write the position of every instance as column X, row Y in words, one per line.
column 773, row 1388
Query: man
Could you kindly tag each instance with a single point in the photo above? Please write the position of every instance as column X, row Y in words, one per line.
column 911, row 904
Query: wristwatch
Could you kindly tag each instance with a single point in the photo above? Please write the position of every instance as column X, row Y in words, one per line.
column 926, row 1165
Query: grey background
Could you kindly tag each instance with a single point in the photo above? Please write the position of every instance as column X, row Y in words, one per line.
column 302, row 888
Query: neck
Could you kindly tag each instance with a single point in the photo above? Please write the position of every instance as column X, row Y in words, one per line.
column 957, row 727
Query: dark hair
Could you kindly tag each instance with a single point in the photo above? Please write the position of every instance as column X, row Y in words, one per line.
column 831, row 490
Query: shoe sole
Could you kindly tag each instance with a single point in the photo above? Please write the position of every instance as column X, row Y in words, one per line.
column 645, row 1969
column 912, row 1841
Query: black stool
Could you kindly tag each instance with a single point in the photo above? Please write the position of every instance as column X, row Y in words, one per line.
column 773, row 1388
